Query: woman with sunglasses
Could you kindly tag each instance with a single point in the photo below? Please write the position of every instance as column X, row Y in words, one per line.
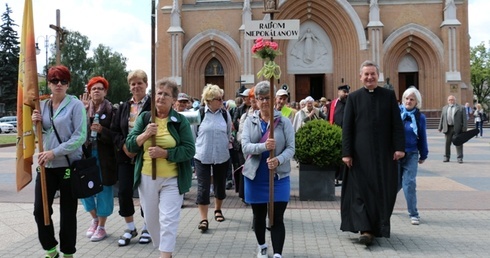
column 212, row 153
column 101, row 205
column 64, row 126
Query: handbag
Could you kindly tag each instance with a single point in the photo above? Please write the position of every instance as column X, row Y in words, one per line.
column 85, row 177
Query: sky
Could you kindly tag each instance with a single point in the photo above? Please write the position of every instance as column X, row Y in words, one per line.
column 125, row 25
column 122, row 25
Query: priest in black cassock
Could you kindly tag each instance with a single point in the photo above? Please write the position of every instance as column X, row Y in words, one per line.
column 373, row 140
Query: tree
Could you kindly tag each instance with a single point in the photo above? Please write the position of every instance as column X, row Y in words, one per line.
column 105, row 63
column 9, row 65
column 480, row 73
column 74, row 56
column 112, row 66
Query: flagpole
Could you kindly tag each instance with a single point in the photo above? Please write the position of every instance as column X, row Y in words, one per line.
column 44, row 187
column 153, row 64
column 27, row 100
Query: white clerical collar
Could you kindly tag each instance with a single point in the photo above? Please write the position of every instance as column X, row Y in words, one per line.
column 370, row 90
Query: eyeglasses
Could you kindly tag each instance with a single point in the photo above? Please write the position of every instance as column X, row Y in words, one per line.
column 265, row 99
column 218, row 99
column 56, row 81
column 98, row 88
column 164, row 94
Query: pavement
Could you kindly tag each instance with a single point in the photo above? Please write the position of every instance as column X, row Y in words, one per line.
column 453, row 201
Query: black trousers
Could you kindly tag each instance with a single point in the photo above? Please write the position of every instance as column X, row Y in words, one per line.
column 125, row 173
column 56, row 180
column 203, row 173
column 278, row 230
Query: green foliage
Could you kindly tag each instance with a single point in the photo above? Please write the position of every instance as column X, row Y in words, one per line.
column 480, row 74
column 112, row 66
column 319, row 143
column 9, row 61
column 104, row 62
column 74, row 55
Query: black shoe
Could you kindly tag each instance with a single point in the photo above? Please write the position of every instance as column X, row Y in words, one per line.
column 460, row 161
column 229, row 185
column 366, row 238
column 445, row 160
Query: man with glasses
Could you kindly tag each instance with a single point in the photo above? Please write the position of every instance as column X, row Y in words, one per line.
column 453, row 122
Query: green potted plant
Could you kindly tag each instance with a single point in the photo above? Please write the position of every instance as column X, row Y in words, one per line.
column 319, row 153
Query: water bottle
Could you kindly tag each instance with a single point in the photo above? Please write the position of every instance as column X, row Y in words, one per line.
column 93, row 134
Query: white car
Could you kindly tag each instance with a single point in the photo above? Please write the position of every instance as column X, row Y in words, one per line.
column 6, row 128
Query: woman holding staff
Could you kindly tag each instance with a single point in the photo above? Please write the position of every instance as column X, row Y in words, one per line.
column 256, row 145
column 64, row 126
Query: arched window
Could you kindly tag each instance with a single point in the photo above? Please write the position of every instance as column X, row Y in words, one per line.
column 214, row 68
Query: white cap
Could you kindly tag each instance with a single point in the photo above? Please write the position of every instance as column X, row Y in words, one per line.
column 245, row 93
column 281, row 92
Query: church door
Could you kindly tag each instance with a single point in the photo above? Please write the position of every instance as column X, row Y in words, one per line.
column 406, row 80
column 214, row 73
column 309, row 85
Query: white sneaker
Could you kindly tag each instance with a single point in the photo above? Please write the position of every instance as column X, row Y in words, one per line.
column 415, row 221
column 262, row 252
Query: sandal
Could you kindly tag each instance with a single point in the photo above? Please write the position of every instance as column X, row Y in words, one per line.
column 124, row 241
column 203, row 225
column 145, row 237
column 218, row 216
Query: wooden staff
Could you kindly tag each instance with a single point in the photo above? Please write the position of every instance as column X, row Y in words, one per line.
column 153, row 140
column 271, row 153
column 271, row 10
column 44, row 187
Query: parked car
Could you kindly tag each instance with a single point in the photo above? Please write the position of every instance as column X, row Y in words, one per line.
column 6, row 128
column 10, row 120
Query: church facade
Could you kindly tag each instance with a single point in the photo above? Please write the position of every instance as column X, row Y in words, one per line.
column 424, row 43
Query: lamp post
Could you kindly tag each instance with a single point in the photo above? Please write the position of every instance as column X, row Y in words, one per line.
column 38, row 51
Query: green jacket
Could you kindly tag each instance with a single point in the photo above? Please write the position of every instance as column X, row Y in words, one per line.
column 179, row 127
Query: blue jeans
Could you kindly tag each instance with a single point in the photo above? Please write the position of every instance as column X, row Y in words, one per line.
column 408, row 167
column 479, row 126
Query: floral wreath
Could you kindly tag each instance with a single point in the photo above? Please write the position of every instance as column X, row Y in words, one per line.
column 267, row 51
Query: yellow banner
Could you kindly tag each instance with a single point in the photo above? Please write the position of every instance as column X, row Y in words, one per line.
column 27, row 94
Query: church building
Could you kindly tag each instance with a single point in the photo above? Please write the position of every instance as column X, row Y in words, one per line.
column 424, row 43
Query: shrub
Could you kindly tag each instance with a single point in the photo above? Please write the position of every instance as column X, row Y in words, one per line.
column 319, row 143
